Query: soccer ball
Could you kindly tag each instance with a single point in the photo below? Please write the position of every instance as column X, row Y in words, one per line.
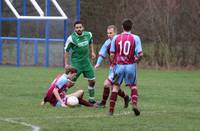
column 72, row 101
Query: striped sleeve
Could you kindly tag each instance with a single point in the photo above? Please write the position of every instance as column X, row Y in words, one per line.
column 61, row 81
column 112, row 47
column 138, row 46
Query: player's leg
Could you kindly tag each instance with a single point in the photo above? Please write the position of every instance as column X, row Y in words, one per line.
column 79, row 94
column 117, row 80
column 130, row 80
column 48, row 96
column 121, row 93
column 88, row 73
column 79, row 71
column 134, row 99
column 107, row 86
column 91, row 90
column 113, row 98
column 125, row 97
column 106, row 92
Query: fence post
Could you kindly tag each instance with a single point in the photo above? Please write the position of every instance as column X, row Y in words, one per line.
column 35, row 52
column 24, row 7
column 65, row 38
column 18, row 43
column 1, row 49
column 78, row 9
column 47, row 33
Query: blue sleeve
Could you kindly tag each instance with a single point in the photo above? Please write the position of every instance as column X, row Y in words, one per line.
column 112, row 47
column 99, row 60
column 104, row 49
column 61, row 81
column 138, row 46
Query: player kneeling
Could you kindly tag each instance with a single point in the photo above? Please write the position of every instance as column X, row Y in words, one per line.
column 56, row 95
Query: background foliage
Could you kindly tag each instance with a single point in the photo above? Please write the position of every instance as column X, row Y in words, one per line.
column 169, row 29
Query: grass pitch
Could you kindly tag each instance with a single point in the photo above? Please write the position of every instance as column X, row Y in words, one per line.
column 169, row 101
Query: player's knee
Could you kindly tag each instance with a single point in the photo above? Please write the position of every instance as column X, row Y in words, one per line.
column 115, row 88
column 81, row 91
column 134, row 87
column 91, row 83
column 107, row 84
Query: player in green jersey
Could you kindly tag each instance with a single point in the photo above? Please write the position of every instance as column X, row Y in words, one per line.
column 80, row 45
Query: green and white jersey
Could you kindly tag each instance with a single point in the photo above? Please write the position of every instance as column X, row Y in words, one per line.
column 79, row 47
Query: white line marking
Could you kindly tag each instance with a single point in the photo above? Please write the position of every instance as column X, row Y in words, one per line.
column 35, row 128
column 89, row 116
column 67, row 117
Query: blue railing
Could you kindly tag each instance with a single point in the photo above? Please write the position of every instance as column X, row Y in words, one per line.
column 35, row 40
column 18, row 38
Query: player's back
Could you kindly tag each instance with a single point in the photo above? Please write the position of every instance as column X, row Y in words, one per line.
column 124, row 48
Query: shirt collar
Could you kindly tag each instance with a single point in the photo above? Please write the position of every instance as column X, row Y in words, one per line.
column 125, row 32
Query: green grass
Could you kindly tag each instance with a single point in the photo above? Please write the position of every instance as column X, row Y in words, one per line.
column 169, row 101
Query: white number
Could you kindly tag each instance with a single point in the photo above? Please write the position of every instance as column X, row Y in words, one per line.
column 126, row 48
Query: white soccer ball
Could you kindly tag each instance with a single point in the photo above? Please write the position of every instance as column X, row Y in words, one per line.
column 72, row 101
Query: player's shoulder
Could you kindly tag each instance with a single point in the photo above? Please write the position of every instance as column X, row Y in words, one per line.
column 87, row 33
column 63, row 77
column 116, row 36
column 136, row 36
column 108, row 41
column 70, row 37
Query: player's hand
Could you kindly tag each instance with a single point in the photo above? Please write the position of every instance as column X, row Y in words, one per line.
column 93, row 55
column 136, row 59
column 42, row 103
column 63, row 105
column 96, row 66
column 67, row 66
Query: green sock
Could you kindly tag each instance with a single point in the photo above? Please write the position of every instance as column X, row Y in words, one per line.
column 91, row 92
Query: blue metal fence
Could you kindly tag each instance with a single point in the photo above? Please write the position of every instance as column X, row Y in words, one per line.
column 46, row 40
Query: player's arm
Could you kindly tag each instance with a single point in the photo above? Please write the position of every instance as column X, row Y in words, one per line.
column 57, row 95
column 59, row 84
column 93, row 55
column 42, row 103
column 66, row 59
column 102, row 54
column 138, row 49
column 67, row 49
column 112, row 49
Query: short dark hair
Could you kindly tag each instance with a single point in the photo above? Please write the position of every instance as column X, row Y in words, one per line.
column 127, row 24
column 77, row 22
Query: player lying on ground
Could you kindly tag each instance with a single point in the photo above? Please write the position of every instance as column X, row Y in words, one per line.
column 105, row 49
column 56, row 95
